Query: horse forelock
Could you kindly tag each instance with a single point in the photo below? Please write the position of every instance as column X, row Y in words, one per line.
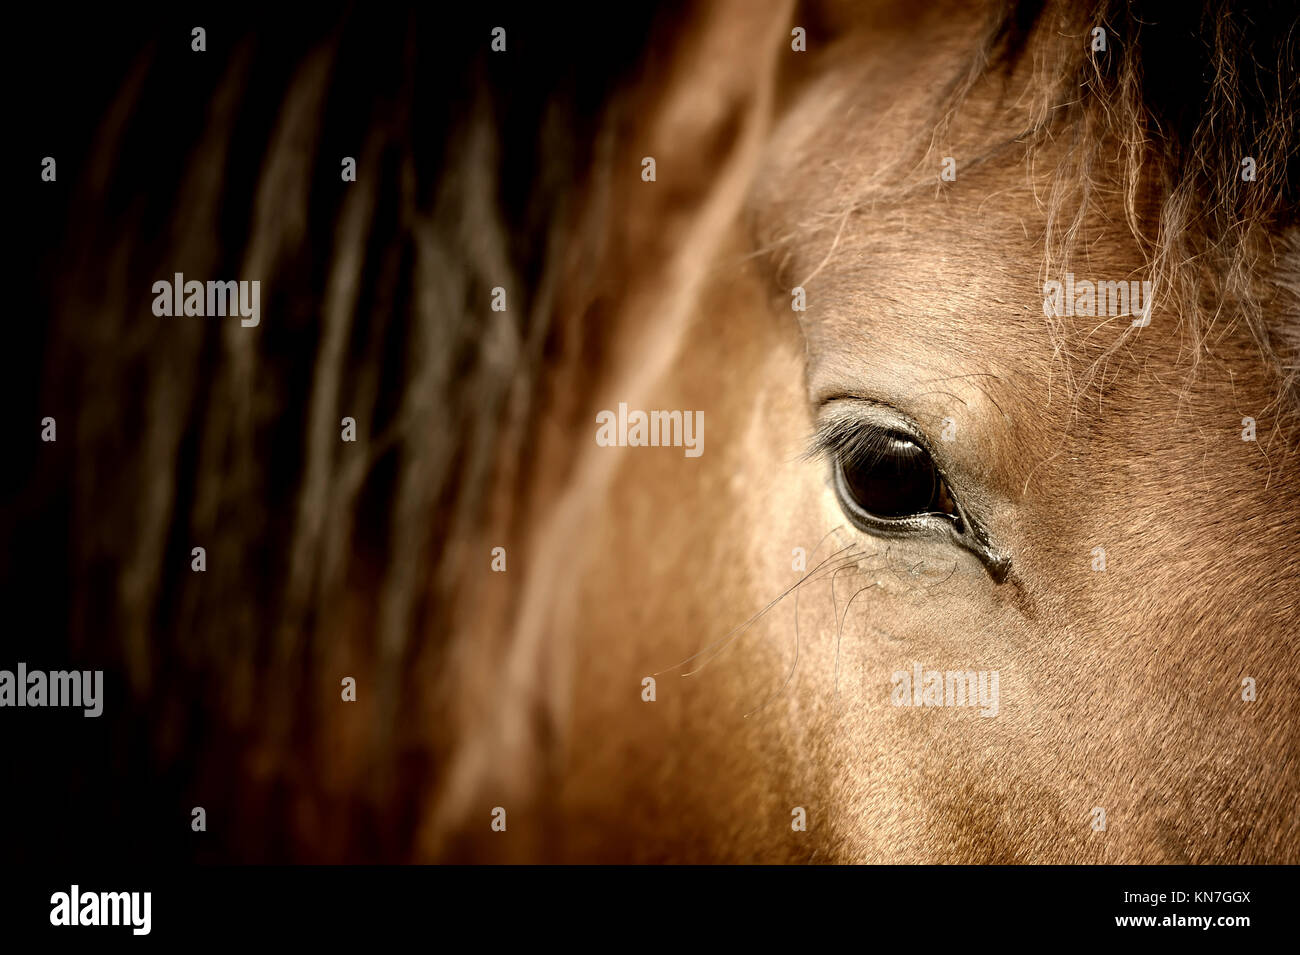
column 1098, row 133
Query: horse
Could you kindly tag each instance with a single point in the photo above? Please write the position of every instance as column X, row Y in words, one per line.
column 984, row 547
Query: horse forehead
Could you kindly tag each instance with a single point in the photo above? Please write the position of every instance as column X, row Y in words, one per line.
column 850, row 203
column 886, row 83
column 908, row 276
column 903, row 291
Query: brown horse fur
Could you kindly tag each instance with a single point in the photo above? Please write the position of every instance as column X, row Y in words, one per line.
column 1121, row 689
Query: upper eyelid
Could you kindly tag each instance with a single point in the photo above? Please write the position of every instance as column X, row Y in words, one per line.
column 857, row 441
column 837, row 428
column 863, row 399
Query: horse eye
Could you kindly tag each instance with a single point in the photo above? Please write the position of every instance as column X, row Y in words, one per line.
column 893, row 480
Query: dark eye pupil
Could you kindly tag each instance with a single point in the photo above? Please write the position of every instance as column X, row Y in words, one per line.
column 897, row 479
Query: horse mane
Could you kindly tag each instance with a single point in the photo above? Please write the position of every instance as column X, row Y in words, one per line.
column 325, row 559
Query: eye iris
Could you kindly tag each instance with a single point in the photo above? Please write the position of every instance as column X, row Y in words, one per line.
column 897, row 480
